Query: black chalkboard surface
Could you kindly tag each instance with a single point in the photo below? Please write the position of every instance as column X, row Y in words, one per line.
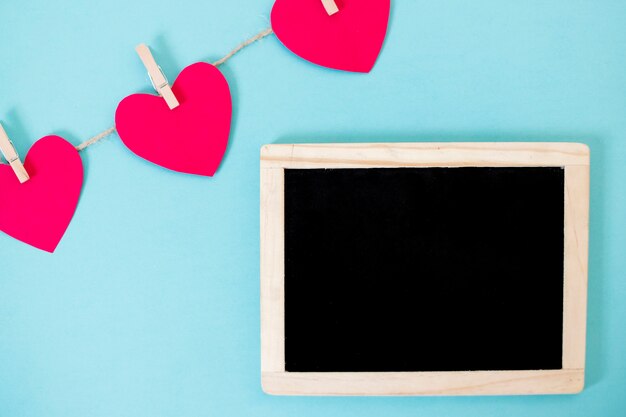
column 423, row 269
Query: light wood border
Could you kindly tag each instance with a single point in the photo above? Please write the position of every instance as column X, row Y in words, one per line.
column 573, row 157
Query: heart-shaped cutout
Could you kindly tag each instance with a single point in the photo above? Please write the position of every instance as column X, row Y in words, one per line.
column 190, row 138
column 39, row 211
column 348, row 40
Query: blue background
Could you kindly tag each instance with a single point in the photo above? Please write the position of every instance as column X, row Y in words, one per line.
column 150, row 305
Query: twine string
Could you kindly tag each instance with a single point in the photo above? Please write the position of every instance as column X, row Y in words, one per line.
column 95, row 139
column 243, row 44
column 217, row 63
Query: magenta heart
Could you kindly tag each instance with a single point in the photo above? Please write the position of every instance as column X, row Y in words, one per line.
column 191, row 138
column 38, row 211
column 348, row 40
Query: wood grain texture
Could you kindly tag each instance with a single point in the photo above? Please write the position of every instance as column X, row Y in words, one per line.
column 354, row 155
column 272, row 271
column 424, row 383
column 573, row 157
column 575, row 265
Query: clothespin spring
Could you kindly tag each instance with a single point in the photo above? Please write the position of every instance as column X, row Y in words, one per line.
column 10, row 154
column 157, row 76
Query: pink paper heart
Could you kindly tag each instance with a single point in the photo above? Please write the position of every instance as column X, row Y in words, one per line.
column 191, row 138
column 348, row 40
column 38, row 211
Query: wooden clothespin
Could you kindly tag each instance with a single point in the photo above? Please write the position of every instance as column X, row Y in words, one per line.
column 10, row 154
column 157, row 77
column 330, row 6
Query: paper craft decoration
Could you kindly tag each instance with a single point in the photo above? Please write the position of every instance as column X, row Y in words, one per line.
column 191, row 138
column 38, row 211
column 186, row 126
column 349, row 39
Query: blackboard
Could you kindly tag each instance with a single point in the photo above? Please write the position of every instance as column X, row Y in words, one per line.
column 423, row 268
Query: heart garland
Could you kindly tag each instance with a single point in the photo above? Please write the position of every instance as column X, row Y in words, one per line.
column 349, row 40
column 39, row 211
column 191, row 138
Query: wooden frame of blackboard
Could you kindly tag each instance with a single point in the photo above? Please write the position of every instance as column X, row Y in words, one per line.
column 573, row 157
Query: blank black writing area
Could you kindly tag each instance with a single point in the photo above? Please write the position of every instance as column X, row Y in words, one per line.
column 423, row 269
